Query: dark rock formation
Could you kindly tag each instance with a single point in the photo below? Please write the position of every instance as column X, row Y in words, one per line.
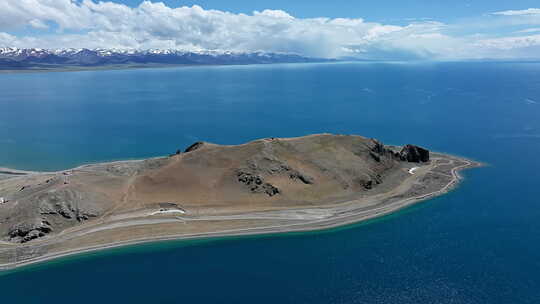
column 269, row 189
column 268, row 165
column 368, row 184
column 375, row 156
column 308, row 180
column 274, row 166
column 178, row 152
column 194, row 147
column 379, row 151
column 24, row 232
column 84, row 216
column 63, row 203
column 256, row 183
column 414, row 154
column 378, row 147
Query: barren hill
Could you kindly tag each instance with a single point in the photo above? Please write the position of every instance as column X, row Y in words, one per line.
column 286, row 179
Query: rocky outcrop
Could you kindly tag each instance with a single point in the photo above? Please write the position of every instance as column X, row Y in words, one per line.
column 67, row 212
column 63, row 203
column 178, row 152
column 256, row 183
column 409, row 153
column 378, row 147
column 27, row 231
column 370, row 183
column 84, row 215
column 380, row 152
column 375, row 156
column 270, row 165
column 414, row 154
column 295, row 175
column 194, row 147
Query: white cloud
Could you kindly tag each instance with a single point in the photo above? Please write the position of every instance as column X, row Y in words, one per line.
column 89, row 24
column 530, row 11
column 38, row 24
column 509, row 43
column 7, row 39
column 155, row 25
column 529, row 30
column 274, row 14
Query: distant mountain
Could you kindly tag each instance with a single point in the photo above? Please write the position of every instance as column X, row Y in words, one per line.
column 34, row 58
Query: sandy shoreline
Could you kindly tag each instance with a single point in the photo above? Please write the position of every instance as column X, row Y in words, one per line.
column 353, row 216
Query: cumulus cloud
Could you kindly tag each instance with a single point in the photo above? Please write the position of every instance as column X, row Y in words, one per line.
column 89, row 24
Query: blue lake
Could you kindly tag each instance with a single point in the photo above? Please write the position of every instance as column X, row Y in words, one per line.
column 478, row 244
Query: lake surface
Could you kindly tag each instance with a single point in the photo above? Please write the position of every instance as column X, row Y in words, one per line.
column 478, row 244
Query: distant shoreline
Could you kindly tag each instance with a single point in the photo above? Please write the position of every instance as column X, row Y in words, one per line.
column 350, row 218
column 119, row 67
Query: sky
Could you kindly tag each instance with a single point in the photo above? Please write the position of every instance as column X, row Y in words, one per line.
column 371, row 10
column 375, row 29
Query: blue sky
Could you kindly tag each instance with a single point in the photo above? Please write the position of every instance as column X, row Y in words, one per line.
column 378, row 29
column 371, row 10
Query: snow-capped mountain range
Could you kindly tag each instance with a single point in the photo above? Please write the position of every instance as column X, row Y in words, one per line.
column 17, row 58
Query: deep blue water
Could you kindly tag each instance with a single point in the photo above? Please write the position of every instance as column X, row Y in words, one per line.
column 478, row 244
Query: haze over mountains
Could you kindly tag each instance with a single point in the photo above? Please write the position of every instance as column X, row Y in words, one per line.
column 26, row 58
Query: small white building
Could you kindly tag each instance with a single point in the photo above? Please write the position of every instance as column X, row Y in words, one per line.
column 2, row 200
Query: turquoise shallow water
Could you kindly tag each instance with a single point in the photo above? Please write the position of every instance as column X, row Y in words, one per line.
column 478, row 244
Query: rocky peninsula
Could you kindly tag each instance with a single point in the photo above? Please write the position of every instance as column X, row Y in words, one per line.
column 208, row 190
